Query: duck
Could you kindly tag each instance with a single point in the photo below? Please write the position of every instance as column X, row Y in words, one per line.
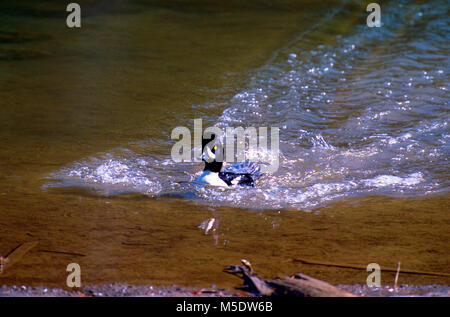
column 239, row 174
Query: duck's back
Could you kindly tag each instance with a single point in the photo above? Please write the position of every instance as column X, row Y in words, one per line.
column 241, row 173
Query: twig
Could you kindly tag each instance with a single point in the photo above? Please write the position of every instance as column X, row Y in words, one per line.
column 16, row 254
column 396, row 277
column 361, row 267
column 135, row 243
column 63, row 252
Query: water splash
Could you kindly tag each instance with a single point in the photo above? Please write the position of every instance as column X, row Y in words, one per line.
column 367, row 114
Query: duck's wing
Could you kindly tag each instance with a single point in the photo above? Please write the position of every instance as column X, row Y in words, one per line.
column 241, row 179
column 246, row 167
column 241, row 173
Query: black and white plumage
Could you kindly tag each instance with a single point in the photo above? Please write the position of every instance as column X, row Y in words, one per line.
column 238, row 174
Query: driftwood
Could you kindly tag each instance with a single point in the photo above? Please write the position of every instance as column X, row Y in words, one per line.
column 254, row 283
column 299, row 285
column 302, row 285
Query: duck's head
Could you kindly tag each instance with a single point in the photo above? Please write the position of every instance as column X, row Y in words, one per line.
column 211, row 153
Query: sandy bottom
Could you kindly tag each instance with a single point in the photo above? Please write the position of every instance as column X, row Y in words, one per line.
column 162, row 244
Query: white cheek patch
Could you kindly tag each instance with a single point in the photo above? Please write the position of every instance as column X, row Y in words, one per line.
column 211, row 155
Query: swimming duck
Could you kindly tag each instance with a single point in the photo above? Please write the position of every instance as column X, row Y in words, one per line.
column 238, row 174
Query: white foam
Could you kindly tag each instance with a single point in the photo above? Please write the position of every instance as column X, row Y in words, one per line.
column 391, row 180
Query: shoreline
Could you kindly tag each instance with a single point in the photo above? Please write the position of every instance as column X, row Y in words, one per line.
column 126, row 290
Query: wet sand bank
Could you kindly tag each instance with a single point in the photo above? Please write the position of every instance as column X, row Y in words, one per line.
column 124, row 290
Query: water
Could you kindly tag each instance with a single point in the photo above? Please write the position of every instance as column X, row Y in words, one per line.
column 86, row 117
column 365, row 114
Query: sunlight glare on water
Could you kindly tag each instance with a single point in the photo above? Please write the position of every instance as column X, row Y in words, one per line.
column 365, row 114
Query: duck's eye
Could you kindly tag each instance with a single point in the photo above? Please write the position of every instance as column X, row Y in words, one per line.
column 215, row 147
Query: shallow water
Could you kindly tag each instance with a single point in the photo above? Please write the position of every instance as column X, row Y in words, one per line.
column 86, row 117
